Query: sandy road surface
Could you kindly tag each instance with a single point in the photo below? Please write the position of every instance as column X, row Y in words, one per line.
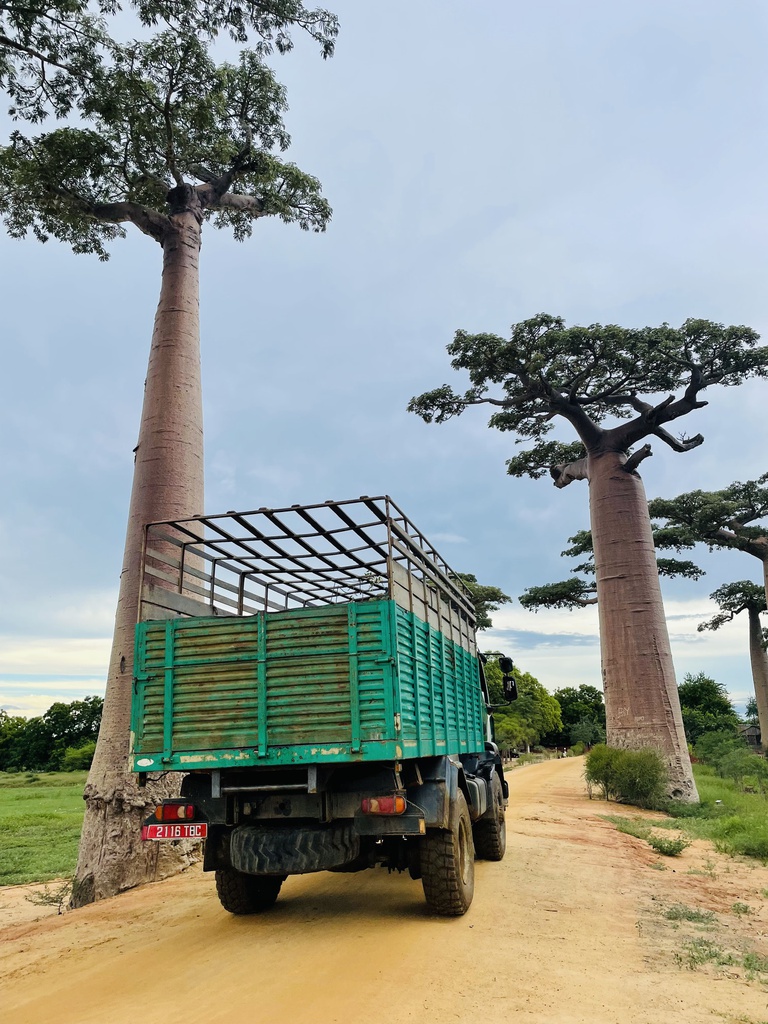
column 568, row 928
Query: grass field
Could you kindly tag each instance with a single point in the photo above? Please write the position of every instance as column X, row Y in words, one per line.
column 736, row 822
column 40, row 821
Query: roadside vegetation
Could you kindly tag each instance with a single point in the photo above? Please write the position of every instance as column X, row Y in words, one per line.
column 62, row 739
column 731, row 777
column 40, row 821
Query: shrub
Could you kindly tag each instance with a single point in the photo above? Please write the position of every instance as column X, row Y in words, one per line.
column 667, row 846
column 600, row 769
column 577, row 749
column 78, row 759
column 633, row 776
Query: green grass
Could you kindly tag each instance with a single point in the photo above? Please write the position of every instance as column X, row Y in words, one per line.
column 680, row 912
column 40, row 821
column 737, row 825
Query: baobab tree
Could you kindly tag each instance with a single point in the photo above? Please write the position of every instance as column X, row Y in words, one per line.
column 733, row 518
column 546, row 373
column 580, row 591
column 733, row 599
column 167, row 140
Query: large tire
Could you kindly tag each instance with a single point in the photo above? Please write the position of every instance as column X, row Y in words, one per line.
column 246, row 894
column 490, row 832
column 448, row 865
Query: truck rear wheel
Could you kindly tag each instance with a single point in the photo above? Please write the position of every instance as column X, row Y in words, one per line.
column 490, row 832
column 246, row 894
column 448, row 865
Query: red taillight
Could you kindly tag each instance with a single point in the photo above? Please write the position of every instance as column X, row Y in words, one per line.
column 384, row 805
column 175, row 812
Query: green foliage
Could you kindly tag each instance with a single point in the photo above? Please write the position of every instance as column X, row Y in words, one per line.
column 586, row 733
column 162, row 116
column 706, row 707
column 729, row 518
column 579, row 593
column 546, row 370
column 751, row 712
column 572, row 593
column 535, row 712
column 78, row 759
column 582, row 713
column 486, row 599
column 733, row 820
column 51, row 55
column 731, row 758
column 681, row 912
column 667, row 846
column 40, row 743
column 40, row 824
column 637, row 777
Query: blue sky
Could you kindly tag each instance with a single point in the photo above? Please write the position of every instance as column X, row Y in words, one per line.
column 601, row 161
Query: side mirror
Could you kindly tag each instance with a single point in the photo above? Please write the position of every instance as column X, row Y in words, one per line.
column 506, row 666
column 510, row 687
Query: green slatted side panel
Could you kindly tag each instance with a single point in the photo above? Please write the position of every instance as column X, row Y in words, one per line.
column 375, row 677
column 441, row 700
column 331, row 680
column 307, row 677
column 325, row 676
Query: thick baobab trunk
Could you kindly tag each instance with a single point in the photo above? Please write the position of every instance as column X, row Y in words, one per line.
column 759, row 661
column 167, row 484
column 641, row 698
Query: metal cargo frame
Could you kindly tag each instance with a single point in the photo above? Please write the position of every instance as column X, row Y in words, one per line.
column 302, row 556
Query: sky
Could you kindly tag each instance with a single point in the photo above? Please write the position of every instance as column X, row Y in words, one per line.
column 485, row 162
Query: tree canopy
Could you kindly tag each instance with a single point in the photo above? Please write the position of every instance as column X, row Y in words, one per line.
column 732, row 599
column 585, row 375
column 41, row 743
column 51, row 55
column 706, row 707
column 486, row 599
column 534, row 714
column 728, row 518
column 164, row 129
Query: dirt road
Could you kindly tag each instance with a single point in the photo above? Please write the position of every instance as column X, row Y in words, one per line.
column 568, row 928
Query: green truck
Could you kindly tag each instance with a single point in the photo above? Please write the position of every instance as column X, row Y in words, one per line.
column 312, row 672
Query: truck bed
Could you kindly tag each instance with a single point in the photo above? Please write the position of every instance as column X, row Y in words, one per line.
column 358, row 681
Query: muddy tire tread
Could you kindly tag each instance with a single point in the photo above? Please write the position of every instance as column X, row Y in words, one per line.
column 246, row 894
column 445, row 892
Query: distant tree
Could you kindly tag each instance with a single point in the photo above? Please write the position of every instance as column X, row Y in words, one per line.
column 706, row 707
column 485, row 599
column 39, row 743
column 164, row 139
column 581, row 707
column 547, row 372
column 586, row 732
column 535, row 712
column 733, row 599
column 751, row 715
column 734, row 518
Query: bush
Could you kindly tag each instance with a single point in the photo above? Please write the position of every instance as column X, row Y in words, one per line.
column 667, row 846
column 77, row 759
column 641, row 777
column 632, row 776
column 600, row 769
column 577, row 749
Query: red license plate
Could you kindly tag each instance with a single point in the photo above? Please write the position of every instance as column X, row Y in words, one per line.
column 187, row 830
